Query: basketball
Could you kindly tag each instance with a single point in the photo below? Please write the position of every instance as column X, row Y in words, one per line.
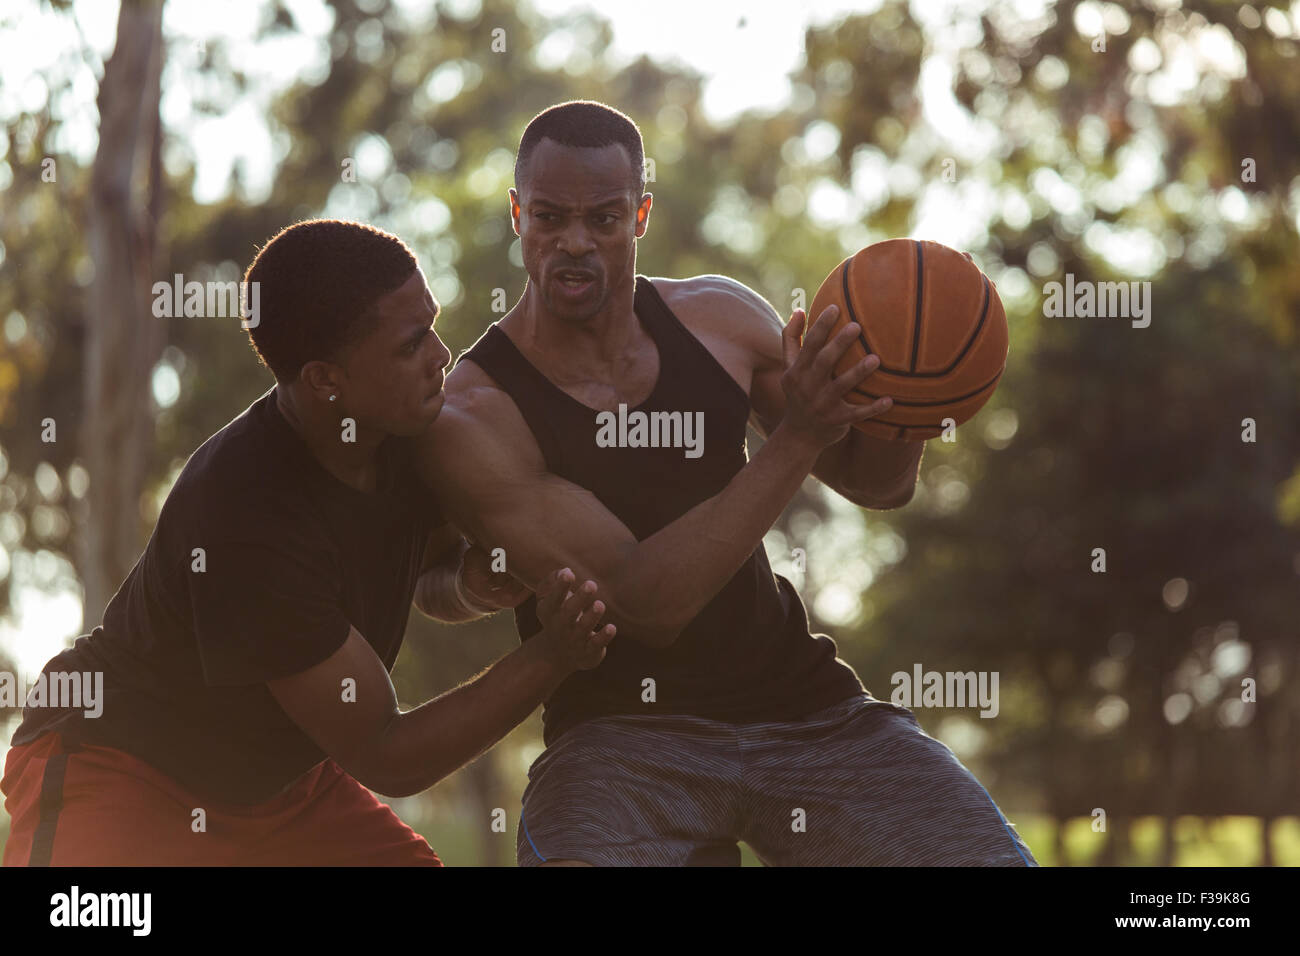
column 937, row 324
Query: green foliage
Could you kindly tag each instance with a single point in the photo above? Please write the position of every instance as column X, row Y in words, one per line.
column 1100, row 435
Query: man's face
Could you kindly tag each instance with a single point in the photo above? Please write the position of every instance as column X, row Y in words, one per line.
column 578, row 217
column 394, row 374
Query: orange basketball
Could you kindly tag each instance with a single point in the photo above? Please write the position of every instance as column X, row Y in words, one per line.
column 937, row 324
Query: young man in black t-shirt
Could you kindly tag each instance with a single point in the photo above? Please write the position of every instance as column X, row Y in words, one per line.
column 246, row 701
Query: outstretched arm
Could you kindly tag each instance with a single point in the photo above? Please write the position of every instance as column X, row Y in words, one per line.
column 400, row 753
column 489, row 474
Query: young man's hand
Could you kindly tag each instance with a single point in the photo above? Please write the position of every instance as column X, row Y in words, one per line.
column 571, row 632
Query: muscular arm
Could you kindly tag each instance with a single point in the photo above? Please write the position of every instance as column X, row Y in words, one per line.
column 497, row 487
column 398, row 754
column 484, row 464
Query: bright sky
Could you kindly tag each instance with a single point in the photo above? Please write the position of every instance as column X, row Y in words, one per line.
column 744, row 49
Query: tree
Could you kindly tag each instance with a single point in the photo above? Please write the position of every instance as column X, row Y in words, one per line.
column 123, row 341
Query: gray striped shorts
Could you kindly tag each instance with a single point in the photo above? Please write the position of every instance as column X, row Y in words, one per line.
column 856, row 784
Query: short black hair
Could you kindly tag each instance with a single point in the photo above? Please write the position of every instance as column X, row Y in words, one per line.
column 583, row 123
column 317, row 281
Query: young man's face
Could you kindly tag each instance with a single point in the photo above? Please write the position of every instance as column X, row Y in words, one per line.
column 578, row 216
column 394, row 374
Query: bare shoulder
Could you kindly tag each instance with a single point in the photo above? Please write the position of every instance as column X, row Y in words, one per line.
column 721, row 308
column 480, row 422
column 716, row 298
column 472, row 390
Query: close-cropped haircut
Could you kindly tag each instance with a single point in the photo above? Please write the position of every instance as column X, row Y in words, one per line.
column 583, row 123
column 317, row 282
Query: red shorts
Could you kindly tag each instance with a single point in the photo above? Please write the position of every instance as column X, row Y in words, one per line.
column 86, row 805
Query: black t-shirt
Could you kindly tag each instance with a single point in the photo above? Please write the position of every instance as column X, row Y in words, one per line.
column 260, row 562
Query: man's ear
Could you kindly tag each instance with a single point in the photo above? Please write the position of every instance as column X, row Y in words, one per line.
column 643, row 214
column 514, row 210
column 322, row 379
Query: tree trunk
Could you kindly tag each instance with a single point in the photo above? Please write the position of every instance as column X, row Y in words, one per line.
column 123, row 338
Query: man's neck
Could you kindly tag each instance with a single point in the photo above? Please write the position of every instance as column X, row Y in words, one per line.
column 355, row 463
column 583, row 349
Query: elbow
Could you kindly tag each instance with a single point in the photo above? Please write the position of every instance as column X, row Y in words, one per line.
column 376, row 779
column 908, row 492
column 402, row 790
column 648, row 622
column 892, row 503
column 388, row 789
column 659, row 631
column 382, row 769
column 874, row 502
column 400, row 782
column 641, row 605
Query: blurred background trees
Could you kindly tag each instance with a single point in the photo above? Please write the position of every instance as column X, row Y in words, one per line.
column 1151, row 142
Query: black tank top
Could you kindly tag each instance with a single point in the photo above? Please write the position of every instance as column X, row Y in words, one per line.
column 748, row 655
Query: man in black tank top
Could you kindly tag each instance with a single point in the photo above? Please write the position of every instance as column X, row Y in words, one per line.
column 601, row 425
